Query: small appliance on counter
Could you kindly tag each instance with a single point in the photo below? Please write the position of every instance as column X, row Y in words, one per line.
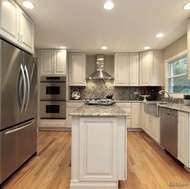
column 75, row 95
column 110, row 96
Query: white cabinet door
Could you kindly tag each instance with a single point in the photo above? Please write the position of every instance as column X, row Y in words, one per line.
column 134, row 69
column 53, row 62
column 60, row 62
column 98, row 157
column 71, row 106
column 145, row 67
column 147, row 123
column 183, row 138
column 77, row 69
column 26, row 32
column 136, row 115
column 46, row 61
column 155, row 128
column 9, row 20
column 151, row 63
column 127, row 108
column 122, row 69
column 142, row 116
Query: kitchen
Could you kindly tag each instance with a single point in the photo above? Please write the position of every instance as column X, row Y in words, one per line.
column 127, row 92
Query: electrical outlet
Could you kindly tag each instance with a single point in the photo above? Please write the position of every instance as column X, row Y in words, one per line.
column 135, row 93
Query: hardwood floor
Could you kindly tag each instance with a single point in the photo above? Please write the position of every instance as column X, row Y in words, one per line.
column 148, row 165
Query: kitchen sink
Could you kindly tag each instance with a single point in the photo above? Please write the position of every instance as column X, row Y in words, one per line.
column 162, row 102
column 151, row 108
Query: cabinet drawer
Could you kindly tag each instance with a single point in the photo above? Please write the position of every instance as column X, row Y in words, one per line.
column 124, row 105
column 74, row 104
column 52, row 123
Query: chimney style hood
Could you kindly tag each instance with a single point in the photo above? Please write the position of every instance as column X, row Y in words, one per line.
column 100, row 73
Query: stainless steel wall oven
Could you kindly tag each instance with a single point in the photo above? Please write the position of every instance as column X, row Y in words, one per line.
column 52, row 97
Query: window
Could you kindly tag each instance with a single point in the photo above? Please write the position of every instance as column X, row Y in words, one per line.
column 176, row 74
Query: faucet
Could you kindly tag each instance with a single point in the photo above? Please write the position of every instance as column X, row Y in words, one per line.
column 163, row 91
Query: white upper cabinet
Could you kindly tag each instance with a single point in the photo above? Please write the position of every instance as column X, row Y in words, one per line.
column 77, row 69
column 26, row 32
column 121, row 69
column 16, row 26
column 53, row 62
column 126, row 68
column 9, row 12
column 151, row 68
column 134, row 69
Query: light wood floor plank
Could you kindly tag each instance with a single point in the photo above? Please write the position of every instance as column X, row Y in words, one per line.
column 149, row 167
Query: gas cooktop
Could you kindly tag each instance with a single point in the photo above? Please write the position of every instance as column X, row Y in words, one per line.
column 99, row 101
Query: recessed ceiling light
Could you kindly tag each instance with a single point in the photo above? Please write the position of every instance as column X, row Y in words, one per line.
column 62, row 47
column 28, row 5
column 187, row 6
column 104, row 47
column 159, row 35
column 108, row 5
column 146, row 48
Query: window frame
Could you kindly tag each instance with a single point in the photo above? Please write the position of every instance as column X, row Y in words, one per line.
column 167, row 74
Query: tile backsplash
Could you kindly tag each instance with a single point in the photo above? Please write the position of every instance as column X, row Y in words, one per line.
column 102, row 88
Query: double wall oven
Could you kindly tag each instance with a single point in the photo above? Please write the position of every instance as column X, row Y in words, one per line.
column 52, row 97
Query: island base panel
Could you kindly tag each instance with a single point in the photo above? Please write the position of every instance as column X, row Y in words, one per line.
column 93, row 185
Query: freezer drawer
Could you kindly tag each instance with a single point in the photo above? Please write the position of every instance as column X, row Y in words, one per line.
column 17, row 145
column 8, row 156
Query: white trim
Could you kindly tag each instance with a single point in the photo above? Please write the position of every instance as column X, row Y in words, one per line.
column 176, row 95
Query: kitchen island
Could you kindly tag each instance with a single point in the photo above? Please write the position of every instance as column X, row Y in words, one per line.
column 99, row 147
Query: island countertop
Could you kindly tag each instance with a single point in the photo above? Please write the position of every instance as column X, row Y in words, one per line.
column 98, row 110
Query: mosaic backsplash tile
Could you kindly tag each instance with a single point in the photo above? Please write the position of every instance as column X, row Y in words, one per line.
column 101, row 88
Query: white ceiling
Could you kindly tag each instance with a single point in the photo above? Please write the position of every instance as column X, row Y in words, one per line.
column 84, row 26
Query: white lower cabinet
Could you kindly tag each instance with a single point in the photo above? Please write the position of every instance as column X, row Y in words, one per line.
column 136, row 115
column 98, row 157
column 71, row 106
column 155, row 128
column 183, row 138
column 127, row 108
column 152, row 126
column 147, row 125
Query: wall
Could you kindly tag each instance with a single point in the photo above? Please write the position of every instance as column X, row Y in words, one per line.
column 176, row 47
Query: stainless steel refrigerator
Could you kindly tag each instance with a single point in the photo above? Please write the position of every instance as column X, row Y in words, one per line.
column 18, row 108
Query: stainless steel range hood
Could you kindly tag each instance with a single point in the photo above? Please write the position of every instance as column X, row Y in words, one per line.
column 100, row 73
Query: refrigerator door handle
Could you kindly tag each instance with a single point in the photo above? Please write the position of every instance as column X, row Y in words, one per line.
column 23, row 90
column 28, row 87
column 20, row 128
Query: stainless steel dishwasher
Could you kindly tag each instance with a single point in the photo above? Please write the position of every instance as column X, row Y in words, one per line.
column 168, row 133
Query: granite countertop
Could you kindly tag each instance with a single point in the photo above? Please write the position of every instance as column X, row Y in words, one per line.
column 174, row 106
column 180, row 107
column 117, row 101
column 99, row 110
